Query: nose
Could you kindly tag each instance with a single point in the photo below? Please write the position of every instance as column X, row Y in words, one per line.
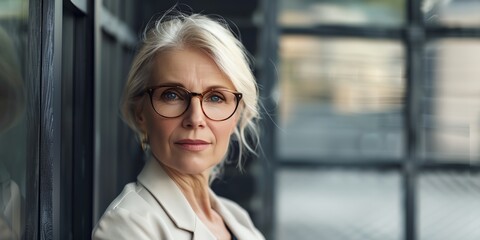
column 194, row 117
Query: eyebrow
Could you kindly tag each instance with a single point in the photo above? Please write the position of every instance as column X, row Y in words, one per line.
column 176, row 84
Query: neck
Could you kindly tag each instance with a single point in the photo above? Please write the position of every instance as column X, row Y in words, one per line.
column 196, row 190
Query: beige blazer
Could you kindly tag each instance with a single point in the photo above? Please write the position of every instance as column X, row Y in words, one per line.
column 155, row 208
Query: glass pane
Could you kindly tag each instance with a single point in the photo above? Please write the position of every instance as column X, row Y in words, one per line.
column 458, row 13
column 13, row 122
column 326, row 204
column 449, row 206
column 340, row 98
column 451, row 103
column 344, row 12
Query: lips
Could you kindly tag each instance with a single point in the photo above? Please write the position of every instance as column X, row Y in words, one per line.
column 192, row 144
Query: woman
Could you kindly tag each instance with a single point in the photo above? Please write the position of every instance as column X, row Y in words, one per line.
column 190, row 92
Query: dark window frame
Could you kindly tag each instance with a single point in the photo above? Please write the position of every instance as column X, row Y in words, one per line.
column 48, row 174
column 77, row 145
column 32, row 86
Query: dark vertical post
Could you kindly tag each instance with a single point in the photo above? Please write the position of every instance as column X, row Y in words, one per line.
column 83, row 127
column 414, row 40
column 267, row 81
column 50, row 119
column 32, row 84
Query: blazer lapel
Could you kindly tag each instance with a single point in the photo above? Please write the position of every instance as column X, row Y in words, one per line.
column 240, row 231
column 202, row 233
column 168, row 195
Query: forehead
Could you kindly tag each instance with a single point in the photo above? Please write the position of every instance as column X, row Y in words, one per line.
column 189, row 67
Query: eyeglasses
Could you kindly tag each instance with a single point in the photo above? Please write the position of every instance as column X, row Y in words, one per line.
column 172, row 101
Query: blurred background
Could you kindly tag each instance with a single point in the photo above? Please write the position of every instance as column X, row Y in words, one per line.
column 370, row 127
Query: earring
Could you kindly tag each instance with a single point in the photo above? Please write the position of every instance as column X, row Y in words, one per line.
column 144, row 142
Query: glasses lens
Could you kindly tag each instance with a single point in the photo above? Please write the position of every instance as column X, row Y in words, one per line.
column 170, row 101
column 219, row 104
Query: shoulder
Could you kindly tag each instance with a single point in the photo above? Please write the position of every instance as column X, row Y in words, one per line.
column 130, row 216
column 133, row 198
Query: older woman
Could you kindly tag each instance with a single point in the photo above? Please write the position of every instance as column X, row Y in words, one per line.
column 190, row 92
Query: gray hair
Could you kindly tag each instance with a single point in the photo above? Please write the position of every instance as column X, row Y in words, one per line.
column 177, row 30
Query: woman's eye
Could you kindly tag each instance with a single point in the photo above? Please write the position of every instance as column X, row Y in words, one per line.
column 215, row 98
column 170, row 96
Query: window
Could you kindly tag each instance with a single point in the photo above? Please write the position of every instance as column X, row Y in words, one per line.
column 378, row 120
column 340, row 98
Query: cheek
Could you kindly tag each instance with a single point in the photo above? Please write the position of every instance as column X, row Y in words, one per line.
column 160, row 129
column 225, row 131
